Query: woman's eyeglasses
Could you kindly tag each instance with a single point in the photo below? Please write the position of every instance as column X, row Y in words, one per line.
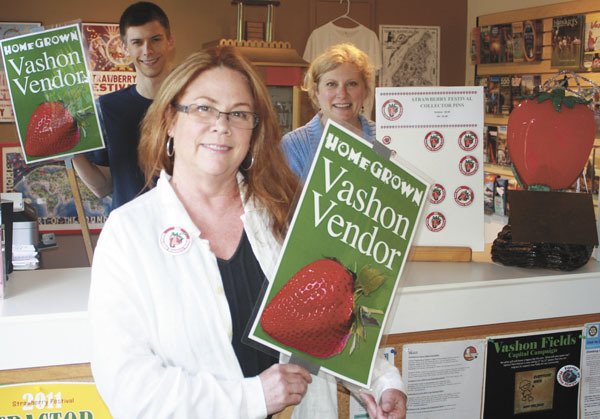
column 208, row 115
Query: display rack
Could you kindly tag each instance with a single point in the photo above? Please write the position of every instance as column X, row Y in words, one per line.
column 542, row 67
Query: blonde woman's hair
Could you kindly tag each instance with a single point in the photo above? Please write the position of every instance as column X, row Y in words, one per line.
column 332, row 58
column 269, row 180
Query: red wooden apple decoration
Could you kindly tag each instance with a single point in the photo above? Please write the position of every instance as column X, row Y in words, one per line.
column 550, row 138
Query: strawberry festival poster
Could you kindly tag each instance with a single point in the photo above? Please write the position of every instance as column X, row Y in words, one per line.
column 342, row 258
column 439, row 130
column 111, row 66
column 51, row 93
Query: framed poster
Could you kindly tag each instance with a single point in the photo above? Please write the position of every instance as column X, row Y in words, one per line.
column 8, row 30
column 45, row 186
column 411, row 55
column 109, row 63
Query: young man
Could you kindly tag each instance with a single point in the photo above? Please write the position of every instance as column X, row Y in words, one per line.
column 146, row 34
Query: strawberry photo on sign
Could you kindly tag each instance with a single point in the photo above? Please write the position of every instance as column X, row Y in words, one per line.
column 341, row 262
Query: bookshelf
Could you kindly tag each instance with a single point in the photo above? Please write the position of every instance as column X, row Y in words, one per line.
column 541, row 67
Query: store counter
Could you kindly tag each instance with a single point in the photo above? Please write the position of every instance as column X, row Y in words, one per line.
column 44, row 322
column 43, row 319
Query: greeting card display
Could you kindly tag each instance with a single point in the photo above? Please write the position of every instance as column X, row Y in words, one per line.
column 342, row 259
column 51, row 93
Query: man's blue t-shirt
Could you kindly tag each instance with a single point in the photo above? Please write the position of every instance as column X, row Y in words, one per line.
column 122, row 113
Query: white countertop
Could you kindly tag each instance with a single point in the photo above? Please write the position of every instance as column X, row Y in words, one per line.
column 44, row 316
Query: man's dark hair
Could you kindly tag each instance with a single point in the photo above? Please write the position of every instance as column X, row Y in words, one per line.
column 140, row 13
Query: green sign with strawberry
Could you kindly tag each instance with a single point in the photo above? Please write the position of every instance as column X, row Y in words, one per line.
column 342, row 259
column 51, row 93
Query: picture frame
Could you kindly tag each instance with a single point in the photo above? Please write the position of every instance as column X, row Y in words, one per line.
column 418, row 46
column 8, row 30
column 45, row 186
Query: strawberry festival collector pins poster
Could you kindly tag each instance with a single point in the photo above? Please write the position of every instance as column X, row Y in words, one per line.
column 342, row 258
column 51, row 93
column 440, row 131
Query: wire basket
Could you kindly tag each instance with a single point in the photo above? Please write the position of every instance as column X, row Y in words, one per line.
column 563, row 257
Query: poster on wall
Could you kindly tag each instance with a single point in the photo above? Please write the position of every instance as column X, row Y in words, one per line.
column 444, row 379
column 440, row 131
column 590, row 372
column 45, row 186
column 51, row 94
column 536, row 374
column 8, row 30
column 52, row 400
column 350, row 234
column 109, row 63
column 411, row 55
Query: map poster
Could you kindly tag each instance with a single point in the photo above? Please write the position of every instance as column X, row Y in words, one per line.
column 109, row 63
column 8, row 30
column 45, row 186
column 52, row 400
column 51, row 93
column 537, row 374
column 342, row 258
column 411, row 55
column 439, row 130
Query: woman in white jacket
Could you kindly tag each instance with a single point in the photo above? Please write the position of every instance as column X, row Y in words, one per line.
column 177, row 271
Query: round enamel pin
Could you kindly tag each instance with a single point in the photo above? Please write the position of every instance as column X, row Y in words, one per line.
column 175, row 240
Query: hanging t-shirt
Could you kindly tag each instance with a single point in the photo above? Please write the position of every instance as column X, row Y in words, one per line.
column 362, row 37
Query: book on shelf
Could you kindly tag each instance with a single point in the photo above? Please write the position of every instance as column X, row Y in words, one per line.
column 591, row 53
column 493, row 98
column 492, row 136
column 486, row 157
column 502, row 155
column 515, row 90
column 507, row 43
column 518, row 47
column 567, row 48
column 484, row 46
column 500, row 201
column 530, row 84
column 488, row 192
column 496, row 44
column 475, row 45
column 533, row 43
column 504, row 98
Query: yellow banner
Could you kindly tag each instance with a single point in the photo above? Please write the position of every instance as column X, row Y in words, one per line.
column 52, row 401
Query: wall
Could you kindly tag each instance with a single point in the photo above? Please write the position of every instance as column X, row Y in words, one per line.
column 197, row 22
column 484, row 7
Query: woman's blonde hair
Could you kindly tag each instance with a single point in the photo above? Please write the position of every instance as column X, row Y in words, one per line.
column 332, row 58
column 269, row 179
